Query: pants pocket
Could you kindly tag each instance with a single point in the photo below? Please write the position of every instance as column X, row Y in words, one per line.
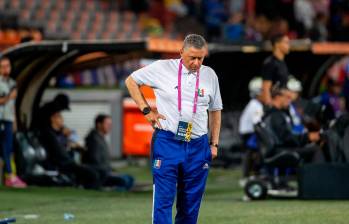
column 208, row 153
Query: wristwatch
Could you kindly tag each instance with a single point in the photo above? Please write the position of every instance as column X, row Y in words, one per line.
column 215, row 145
column 146, row 110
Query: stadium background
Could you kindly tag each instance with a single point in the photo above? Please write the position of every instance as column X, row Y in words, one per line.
column 92, row 45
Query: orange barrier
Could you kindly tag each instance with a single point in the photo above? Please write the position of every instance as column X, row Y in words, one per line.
column 137, row 132
column 164, row 45
column 330, row 48
column 11, row 37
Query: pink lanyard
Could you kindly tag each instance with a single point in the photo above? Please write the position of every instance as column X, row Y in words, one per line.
column 179, row 89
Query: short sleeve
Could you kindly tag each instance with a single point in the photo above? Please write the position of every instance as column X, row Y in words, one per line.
column 216, row 101
column 148, row 75
column 268, row 70
column 12, row 84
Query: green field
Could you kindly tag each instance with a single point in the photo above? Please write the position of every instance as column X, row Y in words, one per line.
column 222, row 205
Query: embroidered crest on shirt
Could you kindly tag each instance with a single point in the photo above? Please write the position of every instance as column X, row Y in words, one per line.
column 201, row 92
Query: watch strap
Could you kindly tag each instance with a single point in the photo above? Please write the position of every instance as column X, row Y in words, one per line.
column 214, row 144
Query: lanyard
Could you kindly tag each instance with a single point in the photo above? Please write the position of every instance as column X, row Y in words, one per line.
column 179, row 89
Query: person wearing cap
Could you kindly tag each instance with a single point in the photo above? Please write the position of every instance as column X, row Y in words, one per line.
column 277, row 120
column 295, row 88
column 188, row 103
column 251, row 115
column 54, row 140
column 8, row 95
column 274, row 70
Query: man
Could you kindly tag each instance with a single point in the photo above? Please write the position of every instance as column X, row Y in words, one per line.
column 8, row 95
column 253, row 112
column 295, row 110
column 97, row 154
column 54, row 141
column 278, row 120
column 274, row 70
column 251, row 115
column 181, row 152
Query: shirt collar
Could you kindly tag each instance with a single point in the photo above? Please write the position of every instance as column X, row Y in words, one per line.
column 185, row 71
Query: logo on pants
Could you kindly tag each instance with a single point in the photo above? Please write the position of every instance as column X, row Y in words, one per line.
column 157, row 164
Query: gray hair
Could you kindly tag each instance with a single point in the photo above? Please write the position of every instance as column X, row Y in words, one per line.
column 194, row 40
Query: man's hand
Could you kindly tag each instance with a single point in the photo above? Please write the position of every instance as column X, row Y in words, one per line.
column 314, row 136
column 153, row 118
column 13, row 94
column 66, row 131
column 214, row 151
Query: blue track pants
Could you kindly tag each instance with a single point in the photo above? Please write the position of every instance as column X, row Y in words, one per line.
column 182, row 168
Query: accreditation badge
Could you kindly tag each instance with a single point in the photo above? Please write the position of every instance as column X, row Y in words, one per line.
column 184, row 131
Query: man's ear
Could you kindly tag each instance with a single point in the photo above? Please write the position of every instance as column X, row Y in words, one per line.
column 181, row 51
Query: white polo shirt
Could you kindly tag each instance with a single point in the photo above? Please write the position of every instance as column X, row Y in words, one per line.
column 162, row 76
column 251, row 115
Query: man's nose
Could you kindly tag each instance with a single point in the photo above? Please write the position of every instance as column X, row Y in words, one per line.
column 196, row 62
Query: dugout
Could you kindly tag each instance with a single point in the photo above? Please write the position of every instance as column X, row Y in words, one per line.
column 34, row 64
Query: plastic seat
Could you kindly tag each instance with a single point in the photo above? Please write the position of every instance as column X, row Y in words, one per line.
column 267, row 142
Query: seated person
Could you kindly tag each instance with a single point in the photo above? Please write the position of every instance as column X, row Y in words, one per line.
column 333, row 100
column 279, row 122
column 295, row 110
column 97, row 154
column 54, row 140
column 251, row 115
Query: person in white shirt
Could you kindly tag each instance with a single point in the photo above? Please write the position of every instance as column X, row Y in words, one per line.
column 188, row 102
column 251, row 115
column 8, row 95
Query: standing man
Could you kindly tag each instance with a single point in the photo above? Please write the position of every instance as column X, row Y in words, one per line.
column 274, row 70
column 8, row 95
column 181, row 151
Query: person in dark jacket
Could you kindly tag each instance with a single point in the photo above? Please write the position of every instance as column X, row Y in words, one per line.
column 97, row 154
column 279, row 122
column 54, row 141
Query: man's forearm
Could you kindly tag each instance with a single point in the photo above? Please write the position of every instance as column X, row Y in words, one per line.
column 13, row 94
column 136, row 93
column 215, row 125
column 266, row 87
column 3, row 99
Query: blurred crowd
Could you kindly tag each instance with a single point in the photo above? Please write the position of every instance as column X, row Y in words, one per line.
column 249, row 20
column 218, row 20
